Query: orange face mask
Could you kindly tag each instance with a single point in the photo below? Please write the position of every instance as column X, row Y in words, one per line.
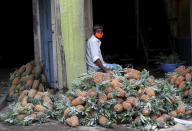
column 99, row 35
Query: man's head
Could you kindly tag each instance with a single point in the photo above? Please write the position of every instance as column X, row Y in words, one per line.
column 98, row 31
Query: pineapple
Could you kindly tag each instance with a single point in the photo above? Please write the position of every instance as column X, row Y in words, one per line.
column 51, row 91
column 161, row 119
column 119, row 101
column 182, row 85
column 24, row 93
column 47, row 99
column 102, row 97
column 33, row 115
column 126, row 105
column 11, row 93
column 91, row 113
column 80, row 107
column 154, row 117
column 41, row 87
column 30, row 105
column 24, row 101
column 173, row 78
column 21, row 117
column 39, row 95
column 71, row 98
column 181, row 109
column 137, row 118
column 46, row 94
column 31, row 77
column 73, row 121
column 118, row 108
column 16, row 81
column 115, row 83
column 150, row 80
column 144, row 98
column 21, row 69
column 121, row 92
column 132, row 74
column 181, row 70
column 81, row 93
column 66, row 112
column 165, row 115
column 19, row 110
column 188, row 112
column 103, row 120
column 179, row 80
column 91, row 93
column 98, row 76
column 109, row 90
column 186, row 93
column 145, row 111
column 78, row 101
column 188, row 77
column 32, row 92
column 133, row 101
column 190, row 90
column 173, row 113
column 149, row 91
column 39, row 108
column 109, row 96
column 43, row 78
column 35, row 84
column 140, row 92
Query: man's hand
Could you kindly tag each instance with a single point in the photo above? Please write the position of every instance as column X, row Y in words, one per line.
column 98, row 62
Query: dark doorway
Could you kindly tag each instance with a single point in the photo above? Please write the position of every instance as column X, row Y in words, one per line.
column 17, row 46
column 120, row 41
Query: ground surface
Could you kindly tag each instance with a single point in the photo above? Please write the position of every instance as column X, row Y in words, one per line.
column 54, row 125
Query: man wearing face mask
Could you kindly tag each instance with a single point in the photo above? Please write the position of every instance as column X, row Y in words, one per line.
column 94, row 57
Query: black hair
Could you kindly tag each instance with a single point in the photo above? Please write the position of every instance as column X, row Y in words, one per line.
column 97, row 26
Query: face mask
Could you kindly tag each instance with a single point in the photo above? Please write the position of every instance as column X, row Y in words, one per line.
column 99, row 35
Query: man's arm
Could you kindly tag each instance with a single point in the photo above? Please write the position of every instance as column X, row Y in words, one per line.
column 98, row 62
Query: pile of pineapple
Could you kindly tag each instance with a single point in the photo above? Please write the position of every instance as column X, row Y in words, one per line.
column 32, row 97
column 26, row 77
column 181, row 78
column 127, row 97
column 121, row 97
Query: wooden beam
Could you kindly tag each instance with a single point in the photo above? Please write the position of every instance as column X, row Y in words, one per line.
column 58, row 50
column 36, row 31
column 88, row 18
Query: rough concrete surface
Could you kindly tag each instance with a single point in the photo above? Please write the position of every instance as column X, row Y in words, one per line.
column 3, row 98
column 54, row 125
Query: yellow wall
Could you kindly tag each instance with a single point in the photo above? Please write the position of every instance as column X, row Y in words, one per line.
column 73, row 35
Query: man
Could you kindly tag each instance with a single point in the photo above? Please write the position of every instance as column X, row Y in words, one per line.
column 94, row 57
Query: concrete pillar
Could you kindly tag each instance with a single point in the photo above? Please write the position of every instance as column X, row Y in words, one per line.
column 73, row 36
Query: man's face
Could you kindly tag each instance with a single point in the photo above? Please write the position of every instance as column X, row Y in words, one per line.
column 99, row 33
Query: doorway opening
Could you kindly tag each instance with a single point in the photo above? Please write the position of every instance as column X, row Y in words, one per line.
column 18, row 46
column 119, row 44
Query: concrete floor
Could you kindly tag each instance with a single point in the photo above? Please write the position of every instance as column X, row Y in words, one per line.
column 5, row 72
column 54, row 125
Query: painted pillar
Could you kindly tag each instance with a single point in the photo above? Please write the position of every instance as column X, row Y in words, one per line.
column 73, row 36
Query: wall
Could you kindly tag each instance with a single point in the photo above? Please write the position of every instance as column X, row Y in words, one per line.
column 73, row 36
column 178, row 12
